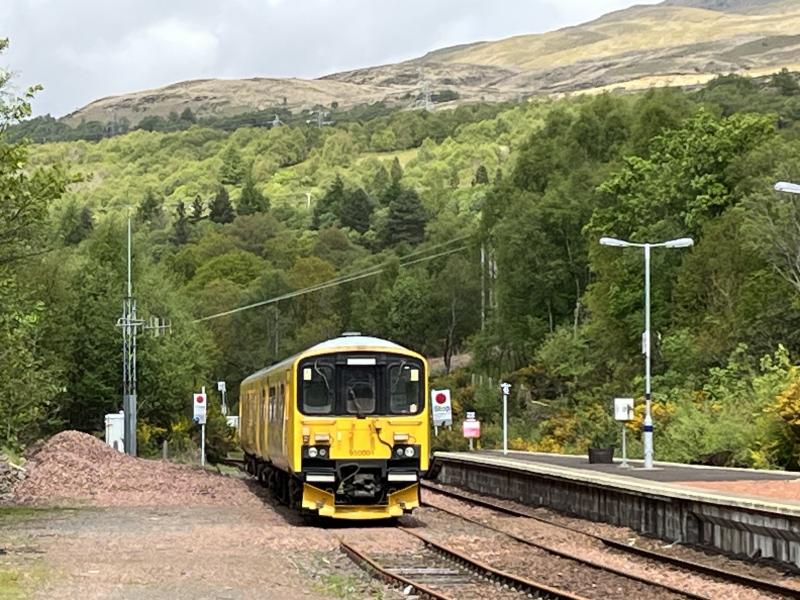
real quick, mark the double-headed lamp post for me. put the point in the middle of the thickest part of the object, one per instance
(648, 417)
(785, 186)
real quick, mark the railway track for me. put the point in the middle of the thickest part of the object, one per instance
(437, 571)
(772, 587)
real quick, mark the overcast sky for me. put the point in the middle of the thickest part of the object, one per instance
(82, 50)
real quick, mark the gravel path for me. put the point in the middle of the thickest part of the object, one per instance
(183, 553)
(153, 530)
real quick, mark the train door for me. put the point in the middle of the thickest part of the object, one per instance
(274, 430)
(262, 422)
(283, 420)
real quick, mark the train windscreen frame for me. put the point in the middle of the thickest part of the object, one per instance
(360, 385)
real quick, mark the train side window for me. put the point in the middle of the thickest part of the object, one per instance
(318, 382)
(273, 409)
(404, 389)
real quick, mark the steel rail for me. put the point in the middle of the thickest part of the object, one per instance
(521, 583)
(727, 576)
(566, 555)
(370, 565)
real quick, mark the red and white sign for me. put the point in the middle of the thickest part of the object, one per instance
(472, 429)
(441, 408)
(200, 402)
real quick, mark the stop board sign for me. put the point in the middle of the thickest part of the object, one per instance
(441, 408)
(200, 403)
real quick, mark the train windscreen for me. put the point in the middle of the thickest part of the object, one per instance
(375, 385)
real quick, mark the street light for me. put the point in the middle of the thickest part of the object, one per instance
(648, 417)
(785, 186)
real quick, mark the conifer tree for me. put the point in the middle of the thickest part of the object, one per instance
(481, 176)
(149, 210)
(252, 200)
(329, 206)
(197, 210)
(355, 210)
(220, 208)
(233, 169)
(180, 234)
(406, 220)
(396, 171)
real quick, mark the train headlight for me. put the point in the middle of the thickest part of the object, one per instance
(399, 451)
(409, 452)
(323, 452)
(312, 452)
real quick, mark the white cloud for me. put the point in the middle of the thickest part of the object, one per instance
(86, 49)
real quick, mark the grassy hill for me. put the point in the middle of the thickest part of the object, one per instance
(679, 42)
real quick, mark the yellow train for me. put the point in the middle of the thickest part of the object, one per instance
(341, 429)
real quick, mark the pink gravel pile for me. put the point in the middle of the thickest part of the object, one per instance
(76, 468)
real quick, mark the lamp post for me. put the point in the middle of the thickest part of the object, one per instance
(648, 416)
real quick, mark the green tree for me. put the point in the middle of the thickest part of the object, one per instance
(396, 171)
(786, 83)
(150, 209)
(29, 378)
(76, 224)
(406, 220)
(220, 209)
(355, 210)
(251, 200)
(188, 116)
(481, 176)
(233, 169)
(180, 228)
(197, 210)
(328, 208)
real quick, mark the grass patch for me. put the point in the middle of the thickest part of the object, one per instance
(21, 514)
(346, 586)
(334, 575)
(19, 582)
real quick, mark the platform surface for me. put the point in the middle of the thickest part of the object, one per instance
(772, 491)
(664, 472)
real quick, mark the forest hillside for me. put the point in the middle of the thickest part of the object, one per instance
(672, 43)
(471, 231)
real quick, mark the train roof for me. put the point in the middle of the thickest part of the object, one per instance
(352, 341)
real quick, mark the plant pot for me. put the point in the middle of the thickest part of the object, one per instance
(601, 455)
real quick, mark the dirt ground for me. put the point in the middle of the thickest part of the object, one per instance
(88, 522)
(176, 552)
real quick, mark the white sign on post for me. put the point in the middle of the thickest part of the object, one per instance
(623, 409)
(506, 389)
(441, 408)
(200, 403)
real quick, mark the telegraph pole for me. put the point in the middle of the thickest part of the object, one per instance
(130, 324)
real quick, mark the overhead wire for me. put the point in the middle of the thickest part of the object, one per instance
(346, 278)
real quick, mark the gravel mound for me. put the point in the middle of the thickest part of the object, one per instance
(77, 468)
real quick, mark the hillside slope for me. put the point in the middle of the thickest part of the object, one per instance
(678, 42)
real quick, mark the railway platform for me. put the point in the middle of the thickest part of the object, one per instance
(741, 512)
